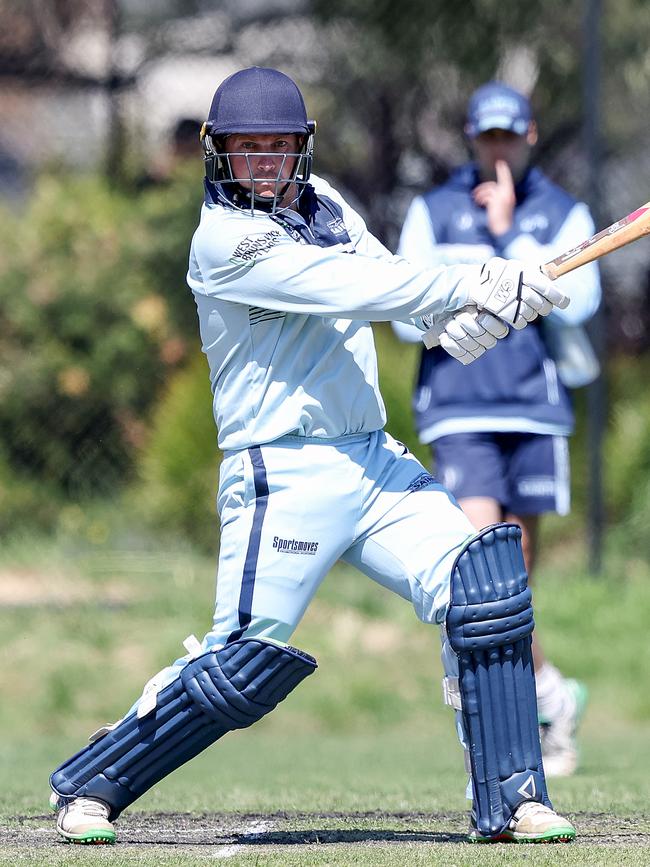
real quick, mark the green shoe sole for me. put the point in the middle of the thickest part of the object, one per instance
(559, 835)
(91, 838)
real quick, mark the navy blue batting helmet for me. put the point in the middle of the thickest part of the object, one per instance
(261, 101)
(257, 100)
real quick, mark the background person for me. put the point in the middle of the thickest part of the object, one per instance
(498, 427)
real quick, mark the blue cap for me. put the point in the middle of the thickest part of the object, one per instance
(257, 100)
(497, 106)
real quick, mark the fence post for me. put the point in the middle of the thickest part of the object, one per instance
(115, 143)
(596, 392)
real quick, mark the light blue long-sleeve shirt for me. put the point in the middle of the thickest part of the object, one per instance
(284, 309)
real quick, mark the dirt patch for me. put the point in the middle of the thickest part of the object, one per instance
(179, 830)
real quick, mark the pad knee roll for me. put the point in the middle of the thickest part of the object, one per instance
(215, 693)
(489, 627)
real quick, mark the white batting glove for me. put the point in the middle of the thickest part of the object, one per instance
(466, 334)
(515, 292)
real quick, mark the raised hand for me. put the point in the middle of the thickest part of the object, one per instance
(498, 198)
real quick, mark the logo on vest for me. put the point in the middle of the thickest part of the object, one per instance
(534, 222)
(464, 222)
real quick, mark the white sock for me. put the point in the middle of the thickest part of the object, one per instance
(550, 691)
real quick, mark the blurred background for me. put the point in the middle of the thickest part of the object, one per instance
(108, 457)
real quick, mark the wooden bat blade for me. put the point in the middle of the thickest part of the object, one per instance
(620, 233)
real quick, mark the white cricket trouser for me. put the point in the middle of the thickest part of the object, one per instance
(291, 508)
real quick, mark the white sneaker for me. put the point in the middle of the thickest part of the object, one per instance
(558, 734)
(532, 823)
(84, 820)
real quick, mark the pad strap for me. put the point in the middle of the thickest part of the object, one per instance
(489, 626)
(215, 693)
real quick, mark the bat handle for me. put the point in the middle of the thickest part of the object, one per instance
(551, 270)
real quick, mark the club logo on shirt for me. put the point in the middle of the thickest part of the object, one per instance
(252, 246)
(421, 481)
(337, 226)
(294, 546)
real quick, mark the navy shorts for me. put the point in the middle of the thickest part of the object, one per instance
(527, 473)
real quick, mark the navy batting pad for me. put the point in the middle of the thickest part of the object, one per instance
(489, 624)
(215, 693)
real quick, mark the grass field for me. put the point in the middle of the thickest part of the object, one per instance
(359, 766)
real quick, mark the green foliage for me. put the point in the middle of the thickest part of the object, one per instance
(628, 445)
(25, 502)
(178, 466)
(425, 31)
(94, 314)
(628, 455)
(625, 468)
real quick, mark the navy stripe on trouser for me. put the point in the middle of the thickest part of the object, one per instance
(252, 554)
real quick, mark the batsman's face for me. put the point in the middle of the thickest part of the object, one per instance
(501, 144)
(262, 160)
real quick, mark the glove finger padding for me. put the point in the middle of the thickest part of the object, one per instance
(527, 312)
(493, 325)
(473, 323)
(486, 339)
(466, 329)
(537, 280)
(458, 351)
(467, 334)
(540, 304)
(515, 293)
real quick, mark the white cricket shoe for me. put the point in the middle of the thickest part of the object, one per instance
(532, 822)
(84, 820)
(558, 734)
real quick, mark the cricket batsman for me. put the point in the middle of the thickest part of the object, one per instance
(286, 280)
